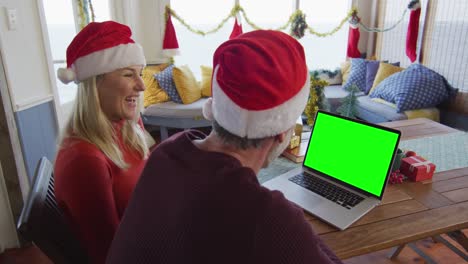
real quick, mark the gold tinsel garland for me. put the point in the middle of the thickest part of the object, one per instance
(313, 102)
(297, 16)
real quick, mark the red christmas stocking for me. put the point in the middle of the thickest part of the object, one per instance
(353, 40)
(236, 30)
(412, 34)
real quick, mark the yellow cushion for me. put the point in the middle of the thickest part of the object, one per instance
(206, 72)
(430, 113)
(153, 93)
(382, 101)
(383, 72)
(345, 68)
(186, 84)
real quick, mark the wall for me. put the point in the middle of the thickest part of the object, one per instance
(8, 239)
(26, 93)
(24, 56)
(145, 18)
(366, 11)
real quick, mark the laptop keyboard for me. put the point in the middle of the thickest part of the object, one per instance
(327, 190)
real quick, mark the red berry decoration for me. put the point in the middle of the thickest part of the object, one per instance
(396, 177)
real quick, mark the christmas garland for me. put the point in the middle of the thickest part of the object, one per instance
(316, 99)
(86, 15)
(296, 20)
(329, 73)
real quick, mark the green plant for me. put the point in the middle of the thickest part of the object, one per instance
(349, 104)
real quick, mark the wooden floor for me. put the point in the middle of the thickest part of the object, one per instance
(437, 251)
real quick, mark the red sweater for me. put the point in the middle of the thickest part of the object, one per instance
(93, 192)
(194, 206)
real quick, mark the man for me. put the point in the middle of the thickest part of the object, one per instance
(198, 199)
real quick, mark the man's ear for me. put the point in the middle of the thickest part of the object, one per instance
(281, 137)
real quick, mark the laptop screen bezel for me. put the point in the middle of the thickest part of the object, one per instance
(328, 177)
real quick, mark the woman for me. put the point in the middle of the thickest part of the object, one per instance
(105, 146)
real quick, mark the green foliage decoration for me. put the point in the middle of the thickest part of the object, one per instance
(349, 104)
(298, 25)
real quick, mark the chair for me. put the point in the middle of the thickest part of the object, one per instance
(42, 222)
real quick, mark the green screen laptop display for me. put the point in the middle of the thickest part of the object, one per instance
(355, 153)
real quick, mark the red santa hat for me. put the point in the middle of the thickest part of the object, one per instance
(100, 47)
(170, 43)
(260, 84)
(237, 28)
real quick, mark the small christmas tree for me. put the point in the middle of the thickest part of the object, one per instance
(349, 104)
(316, 100)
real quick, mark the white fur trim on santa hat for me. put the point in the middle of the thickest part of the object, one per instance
(208, 109)
(170, 52)
(256, 124)
(108, 60)
(414, 5)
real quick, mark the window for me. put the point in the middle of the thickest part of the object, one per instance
(62, 29)
(197, 50)
(445, 41)
(393, 42)
(325, 52)
(273, 17)
(323, 16)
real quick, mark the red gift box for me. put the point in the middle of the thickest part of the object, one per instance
(417, 168)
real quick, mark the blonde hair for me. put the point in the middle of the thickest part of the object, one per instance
(88, 122)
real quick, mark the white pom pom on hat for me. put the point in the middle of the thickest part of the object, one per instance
(66, 75)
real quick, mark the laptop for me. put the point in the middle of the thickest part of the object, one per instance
(345, 169)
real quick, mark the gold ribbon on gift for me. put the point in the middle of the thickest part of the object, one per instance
(419, 162)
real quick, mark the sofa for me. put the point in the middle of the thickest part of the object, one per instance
(173, 98)
(367, 109)
(389, 92)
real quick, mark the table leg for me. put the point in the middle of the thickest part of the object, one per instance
(396, 251)
(163, 132)
(422, 254)
(452, 247)
(460, 237)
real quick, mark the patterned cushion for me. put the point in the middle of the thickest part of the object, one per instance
(372, 68)
(384, 71)
(414, 88)
(186, 84)
(167, 84)
(153, 93)
(206, 72)
(357, 75)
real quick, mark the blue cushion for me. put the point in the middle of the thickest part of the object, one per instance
(357, 74)
(414, 88)
(166, 82)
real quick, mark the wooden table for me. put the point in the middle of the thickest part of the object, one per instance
(410, 211)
